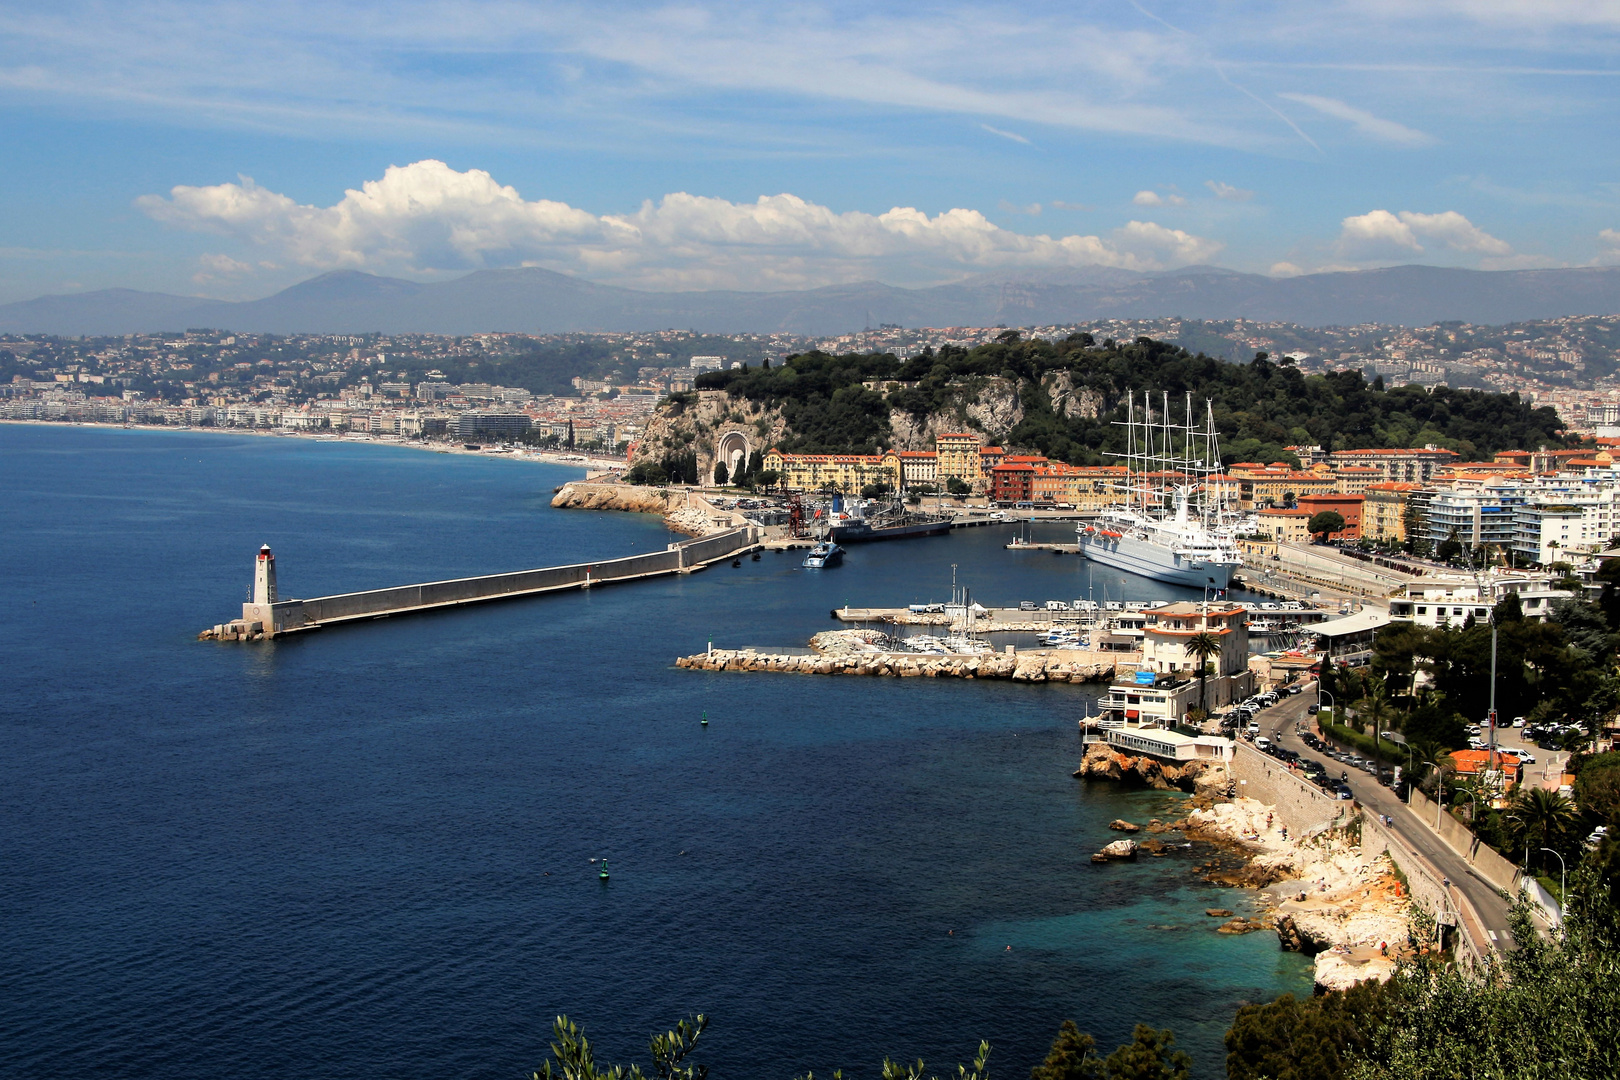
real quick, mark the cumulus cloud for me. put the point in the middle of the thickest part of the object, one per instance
(1227, 192)
(1364, 122)
(1285, 269)
(1380, 234)
(1153, 198)
(427, 217)
(1610, 237)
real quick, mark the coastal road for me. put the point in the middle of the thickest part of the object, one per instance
(1278, 722)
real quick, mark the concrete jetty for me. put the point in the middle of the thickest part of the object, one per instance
(1047, 665)
(268, 616)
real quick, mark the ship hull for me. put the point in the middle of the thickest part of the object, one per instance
(860, 534)
(1153, 561)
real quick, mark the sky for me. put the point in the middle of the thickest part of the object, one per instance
(234, 149)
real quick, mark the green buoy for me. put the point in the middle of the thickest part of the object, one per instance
(603, 874)
(705, 720)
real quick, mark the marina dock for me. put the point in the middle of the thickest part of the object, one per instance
(267, 616)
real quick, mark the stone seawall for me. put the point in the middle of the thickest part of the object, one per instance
(1303, 806)
(1029, 667)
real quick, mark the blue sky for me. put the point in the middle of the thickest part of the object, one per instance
(233, 149)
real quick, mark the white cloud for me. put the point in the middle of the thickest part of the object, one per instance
(1033, 209)
(1380, 234)
(1228, 192)
(1377, 234)
(1153, 198)
(1364, 122)
(1285, 269)
(1455, 232)
(1611, 237)
(1014, 136)
(427, 217)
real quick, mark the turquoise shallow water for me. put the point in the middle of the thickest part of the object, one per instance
(367, 851)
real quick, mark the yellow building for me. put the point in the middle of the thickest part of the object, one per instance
(1285, 526)
(959, 457)
(1355, 479)
(847, 473)
(1274, 485)
(1383, 515)
(1083, 487)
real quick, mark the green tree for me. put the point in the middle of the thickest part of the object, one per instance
(1072, 1057)
(1310, 1039)
(1202, 646)
(1540, 818)
(1325, 522)
(1548, 1009)
(957, 486)
(721, 475)
(1148, 1057)
(573, 1059)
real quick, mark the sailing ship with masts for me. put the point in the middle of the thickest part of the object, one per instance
(1175, 520)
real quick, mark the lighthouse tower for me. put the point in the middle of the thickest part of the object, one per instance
(264, 577)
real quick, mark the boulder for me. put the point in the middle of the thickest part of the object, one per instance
(1119, 849)
(1121, 825)
(1218, 912)
(1239, 925)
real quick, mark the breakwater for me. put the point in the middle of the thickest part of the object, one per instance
(267, 617)
(1032, 667)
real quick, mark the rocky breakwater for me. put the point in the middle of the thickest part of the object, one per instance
(1103, 762)
(1320, 896)
(867, 652)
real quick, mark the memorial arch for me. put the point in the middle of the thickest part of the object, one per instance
(732, 451)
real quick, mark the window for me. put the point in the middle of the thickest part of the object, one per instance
(1423, 611)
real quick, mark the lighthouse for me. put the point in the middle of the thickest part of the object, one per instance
(264, 577)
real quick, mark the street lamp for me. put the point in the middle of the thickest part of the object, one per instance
(1320, 694)
(1439, 791)
(1561, 904)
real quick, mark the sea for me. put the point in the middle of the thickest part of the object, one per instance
(375, 850)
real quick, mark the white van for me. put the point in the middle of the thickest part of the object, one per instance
(1262, 743)
(1056, 605)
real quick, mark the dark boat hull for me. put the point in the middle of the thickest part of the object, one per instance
(863, 533)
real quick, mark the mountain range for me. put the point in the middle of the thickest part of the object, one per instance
(542, 301)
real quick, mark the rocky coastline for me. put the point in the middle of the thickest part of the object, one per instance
(1103, 762)
(1317, 892)
(683, 511)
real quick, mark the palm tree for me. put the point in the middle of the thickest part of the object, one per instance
(1202, 645)
(1540, 818)
(1374, 708)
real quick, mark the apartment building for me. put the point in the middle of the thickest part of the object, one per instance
(846, 473)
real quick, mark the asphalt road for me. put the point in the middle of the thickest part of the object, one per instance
(1277, 723)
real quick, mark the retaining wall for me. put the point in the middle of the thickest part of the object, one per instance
(1303, 806)
(291, 615)
(1485, 860)
(1448, 905)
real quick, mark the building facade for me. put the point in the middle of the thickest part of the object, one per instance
(844, 473)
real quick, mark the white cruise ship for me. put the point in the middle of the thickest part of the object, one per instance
(1172, 522)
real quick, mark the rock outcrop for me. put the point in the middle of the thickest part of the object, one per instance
(629, 497)
(1119, 849)
(1121, 825)
(1103, 762)
(1350, 914)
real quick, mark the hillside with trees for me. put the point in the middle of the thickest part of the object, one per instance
(1063, 399)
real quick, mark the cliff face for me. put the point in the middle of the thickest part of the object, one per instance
(1103, 762)
(715, 424)
(704, 424)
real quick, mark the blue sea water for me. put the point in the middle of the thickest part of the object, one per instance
(366, 852)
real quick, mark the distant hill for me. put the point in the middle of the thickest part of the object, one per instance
(540, 301)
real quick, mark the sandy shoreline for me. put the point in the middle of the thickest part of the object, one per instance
(545, 457)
